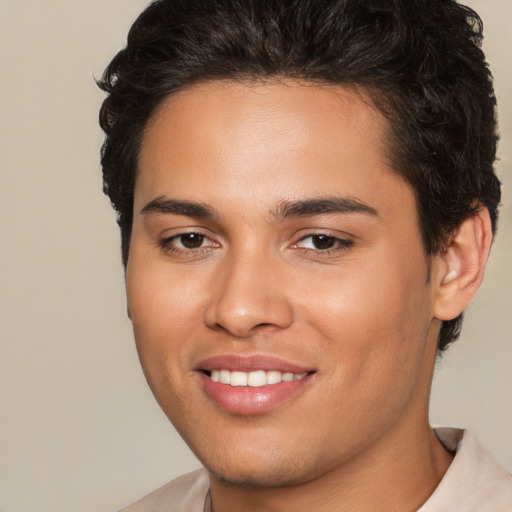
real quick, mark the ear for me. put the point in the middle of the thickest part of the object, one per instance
(461, 265)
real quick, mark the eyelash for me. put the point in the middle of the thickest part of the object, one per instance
(167, 245)
(339, 245)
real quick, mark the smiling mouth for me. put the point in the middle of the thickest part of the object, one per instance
(253, 379)
(252, 385)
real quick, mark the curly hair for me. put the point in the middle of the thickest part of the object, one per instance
(420, 61)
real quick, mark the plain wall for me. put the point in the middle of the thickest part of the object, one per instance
(80, 430)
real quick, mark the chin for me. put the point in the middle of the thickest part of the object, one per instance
(267, 480)
(273, 471)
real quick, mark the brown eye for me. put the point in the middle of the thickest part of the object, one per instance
(188, 245)
(191, 240)
(323, 242)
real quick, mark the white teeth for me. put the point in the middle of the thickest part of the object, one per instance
(287, 377)
(225, 376)
(257, 379)
(274, 377)
(254, 379)
(238, 379)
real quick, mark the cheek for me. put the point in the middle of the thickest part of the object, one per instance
(360, 301)
(160, 298)
(374, 319)
(163, 312)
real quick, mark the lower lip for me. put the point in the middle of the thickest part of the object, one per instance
(246, 400)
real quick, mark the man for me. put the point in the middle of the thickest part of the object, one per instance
(306, 198)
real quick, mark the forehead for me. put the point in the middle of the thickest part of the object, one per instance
(293, 111)
(278, 139)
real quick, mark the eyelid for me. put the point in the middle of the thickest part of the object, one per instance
(342, 242)
(166, 242)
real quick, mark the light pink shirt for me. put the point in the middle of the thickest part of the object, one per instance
(473, 483)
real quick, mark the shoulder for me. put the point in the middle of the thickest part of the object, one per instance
(184, 494)
(473, 482)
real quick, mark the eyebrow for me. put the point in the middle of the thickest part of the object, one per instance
(284, 210)
(322, 206)
(178, 207)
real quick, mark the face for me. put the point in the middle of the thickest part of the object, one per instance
(277, 281)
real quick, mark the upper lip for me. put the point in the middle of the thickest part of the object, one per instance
(248, 363)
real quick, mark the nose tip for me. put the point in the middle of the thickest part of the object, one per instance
(248, 302)
(241, 322)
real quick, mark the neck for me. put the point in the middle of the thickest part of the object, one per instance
(398, 472)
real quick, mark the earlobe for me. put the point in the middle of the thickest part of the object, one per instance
(461, 265)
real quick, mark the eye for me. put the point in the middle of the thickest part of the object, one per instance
(187, 244)
(189, 240)
(320, 242)
(323, 243)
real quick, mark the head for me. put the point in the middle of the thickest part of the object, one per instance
(293, 180)
(419, 62)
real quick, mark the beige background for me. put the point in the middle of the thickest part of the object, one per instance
(80, 431)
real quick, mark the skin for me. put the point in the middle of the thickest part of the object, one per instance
(363, 315)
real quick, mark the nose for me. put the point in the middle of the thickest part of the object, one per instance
(249, 296)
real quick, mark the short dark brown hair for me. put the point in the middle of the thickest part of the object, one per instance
(420, 61)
